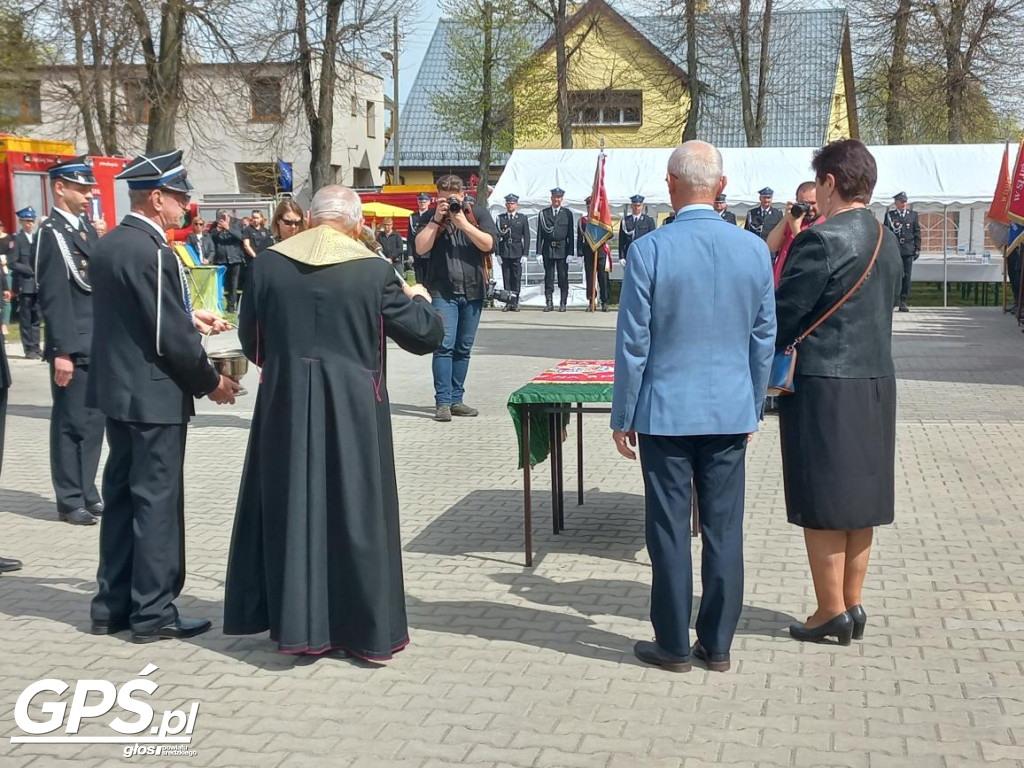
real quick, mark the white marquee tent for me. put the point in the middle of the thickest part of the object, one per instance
(937, 178)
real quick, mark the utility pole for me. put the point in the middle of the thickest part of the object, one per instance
(396, 179)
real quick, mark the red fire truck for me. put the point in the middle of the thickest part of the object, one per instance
(23, 181)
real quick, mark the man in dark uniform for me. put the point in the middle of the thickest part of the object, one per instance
(905, 225)
(417, 221)
(554, 244)
(390, 242)
(148, 364)
(722, 210)
(763, 219)
(6, 563)
(227, 251)
(23, 264)
(634, 225)
(584, 251)
(64, 246)
(513, 246)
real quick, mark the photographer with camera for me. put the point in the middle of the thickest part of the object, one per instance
(798, 217)
(455, 242)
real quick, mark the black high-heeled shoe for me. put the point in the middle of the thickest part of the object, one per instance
(840, 626)
(860, 619)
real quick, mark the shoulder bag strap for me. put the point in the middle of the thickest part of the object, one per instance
(849, 293)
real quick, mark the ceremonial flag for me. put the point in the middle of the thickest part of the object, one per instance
(1015, 204)
(1001, 197)
(599, 216)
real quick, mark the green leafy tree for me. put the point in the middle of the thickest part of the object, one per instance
(18, 53)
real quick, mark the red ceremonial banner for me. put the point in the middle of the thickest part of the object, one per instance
(1001, 196)
(579, 372)
(1015, 207)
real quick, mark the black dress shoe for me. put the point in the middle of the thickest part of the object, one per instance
(561, 307)
(95, 509)
(549, 308)
(80, 516)
(108, 627)
(904, 307)
(840, 627)
(652, 653)
(604, 308)
(860, 619)
(716, 662)
(179, 630)
(9, 564)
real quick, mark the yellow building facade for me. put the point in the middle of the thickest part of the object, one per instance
(621, 89)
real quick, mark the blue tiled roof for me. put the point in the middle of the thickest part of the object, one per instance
(804, 52)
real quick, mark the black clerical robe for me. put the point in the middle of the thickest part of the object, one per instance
(316, 552)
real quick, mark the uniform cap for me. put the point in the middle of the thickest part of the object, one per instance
(636, 199)
(768, 191)
(720, 198)
(587, 201)
(423, 197)
(900, 197)
(26, 214)
(163, 171)
(76, 170)
(558, 192)
(511, 198)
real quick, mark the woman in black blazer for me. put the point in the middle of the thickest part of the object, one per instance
(838, 427)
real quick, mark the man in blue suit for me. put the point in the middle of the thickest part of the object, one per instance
(693, 350)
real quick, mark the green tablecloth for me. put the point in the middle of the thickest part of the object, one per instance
(550, 394)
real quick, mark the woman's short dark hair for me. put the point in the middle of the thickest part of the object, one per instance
(851, 165)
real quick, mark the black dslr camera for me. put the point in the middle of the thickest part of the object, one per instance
(800, 209)
(455, 205)
(499, 294)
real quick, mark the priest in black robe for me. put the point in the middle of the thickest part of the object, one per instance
(316, 551)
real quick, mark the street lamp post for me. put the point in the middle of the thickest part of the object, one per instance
(392, 56)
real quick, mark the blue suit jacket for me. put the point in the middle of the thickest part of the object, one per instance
(696, 330)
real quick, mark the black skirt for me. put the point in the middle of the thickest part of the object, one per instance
(838, 441)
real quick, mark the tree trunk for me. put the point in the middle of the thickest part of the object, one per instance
(84, 89)
(896, 80)
(743, 46)
(693, 113)
(562, 76)
(165, 86)
(956, 74)
(761, 116)
(487, 116)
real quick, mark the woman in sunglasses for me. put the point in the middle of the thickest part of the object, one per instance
(288, 220)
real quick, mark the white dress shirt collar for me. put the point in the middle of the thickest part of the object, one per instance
(695, 207)
(74, 221)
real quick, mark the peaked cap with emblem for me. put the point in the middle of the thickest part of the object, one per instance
(766, 191)
(636, 199)
(511, 198)
(157, 171)
(720, 198)
(26, 214)
(423, 197)
(900, 197)
(558, 192)
(76, 170)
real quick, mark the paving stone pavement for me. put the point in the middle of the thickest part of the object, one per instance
(533, 667)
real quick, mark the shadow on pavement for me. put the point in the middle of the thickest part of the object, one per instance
(630, 599)
(608, 525)
(201, 420)
(28, 504)
(418, 411)
(29, 411)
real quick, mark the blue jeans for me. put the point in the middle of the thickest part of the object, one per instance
(451, 362)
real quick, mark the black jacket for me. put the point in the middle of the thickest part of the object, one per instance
(5, 370)
(22, 262)
(761, 223)
(455, 266)
(391, 246)
(259, 238)
(907, 229)
(65, 295)
(824, 262)
(631, 228)
(555, 233)
(513, 236)
(147, 357)
(227, 245)
(728, 216)
(205, 250)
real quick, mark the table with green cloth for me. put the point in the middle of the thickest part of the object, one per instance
(541, 411)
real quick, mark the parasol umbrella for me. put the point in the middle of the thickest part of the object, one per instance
(380, 210)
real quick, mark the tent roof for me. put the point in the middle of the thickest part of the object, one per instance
(930, 174)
